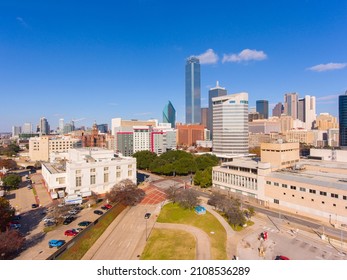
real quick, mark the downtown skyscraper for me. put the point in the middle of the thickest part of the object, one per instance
(212, 93)
(169, 114)
(193, 94)
(343, 120)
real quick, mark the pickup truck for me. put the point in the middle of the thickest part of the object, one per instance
(56, 243)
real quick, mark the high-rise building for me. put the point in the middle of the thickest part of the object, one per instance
(291, 105)
(262, 107)
(61, 126)
(44, 128)
(307, 110)
(27, 128)
(213, 92)
(103, 128)
(193, 100)
(343, 120)
(277, 111)
(325, 121)
(16, 130)
(189, 134)
(169, 114)
(204, 116)
(230, 124)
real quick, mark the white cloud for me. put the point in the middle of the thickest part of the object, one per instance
(327, 67)
(208, 57)
(22, 22)
(245, 55)
(328, 97)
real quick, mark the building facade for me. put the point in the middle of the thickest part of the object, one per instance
(88, 170)
(291, 105)
(230, 124)
(307, 110)
(277, 111)
(44, 127)
(343, 120)
(169, 114)
(212, 93)
(193, 95)
(189, 134)
(262, 107)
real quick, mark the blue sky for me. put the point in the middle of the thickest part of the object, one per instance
(96, 60)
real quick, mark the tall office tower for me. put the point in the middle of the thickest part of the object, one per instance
(193, 100)
(343, 120)
(169, 114)
(277, 111)
(61, 126)
(230, 124)
(213, 92)
(307, 110)
(204, 117)
(44, 126)
(16, 130)
(291, 105)
(102, 128)
(262, 107)
(27, 128)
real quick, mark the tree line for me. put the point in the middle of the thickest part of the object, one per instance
(181, 163)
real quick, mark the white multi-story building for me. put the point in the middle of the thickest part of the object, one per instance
(88, 170)
(27, 128)
(40, 148)
(230, 124)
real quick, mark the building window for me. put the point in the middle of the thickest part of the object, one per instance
(118, 174)
(105, 168)
(334, 195)
(302, 189)
(78, 172)
(92, 170)
(60, 180)
(276, 184)
(323, 202)
(78, 181)
(130, 166)
(105, 177)
(268, 182)
(292, 187)
(312, 191)
(92, 179)
(323, 193)
(284, 186)
(293, 195)
(130, 173)
(276, 201)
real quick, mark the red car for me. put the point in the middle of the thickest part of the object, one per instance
(71, 232)
(108, 206)
(283, 258)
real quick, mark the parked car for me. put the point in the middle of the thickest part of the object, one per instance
(51, 220)
(77, 229)
(55, 243)
(34, 205)
(147, 215)
(16, 218)
(73, 212)
(78, 208)
(84, 224)
(283, 258)
(30, 187)
(108, 206)
(71, 232)
(49, 224)
(15, 226)
(98, 212)
(68, 220)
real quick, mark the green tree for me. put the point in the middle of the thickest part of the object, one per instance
(12, 181)
(6, 213)
(205, 161)
(235, 217)
(185, 166)
(203, 178)
(144, 159)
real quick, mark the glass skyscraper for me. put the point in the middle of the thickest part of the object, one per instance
(343, 120)
(193, 100)
(262, 107)
(169, 114)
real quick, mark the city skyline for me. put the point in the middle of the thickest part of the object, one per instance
(85, 62)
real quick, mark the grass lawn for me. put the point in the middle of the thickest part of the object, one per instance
(172, 213)
(165, 244)
(82, 245)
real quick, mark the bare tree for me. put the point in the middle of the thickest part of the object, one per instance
(126, 192)
(11, 241)
(188, 198)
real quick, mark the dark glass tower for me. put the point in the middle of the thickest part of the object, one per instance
(193, 100)
(262, 107)
(169, 114)
(343, 120)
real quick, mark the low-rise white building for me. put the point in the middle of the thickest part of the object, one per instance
(88, 170)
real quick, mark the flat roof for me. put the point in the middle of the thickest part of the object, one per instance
(313, 177)
(54, 168)
(245, 162)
